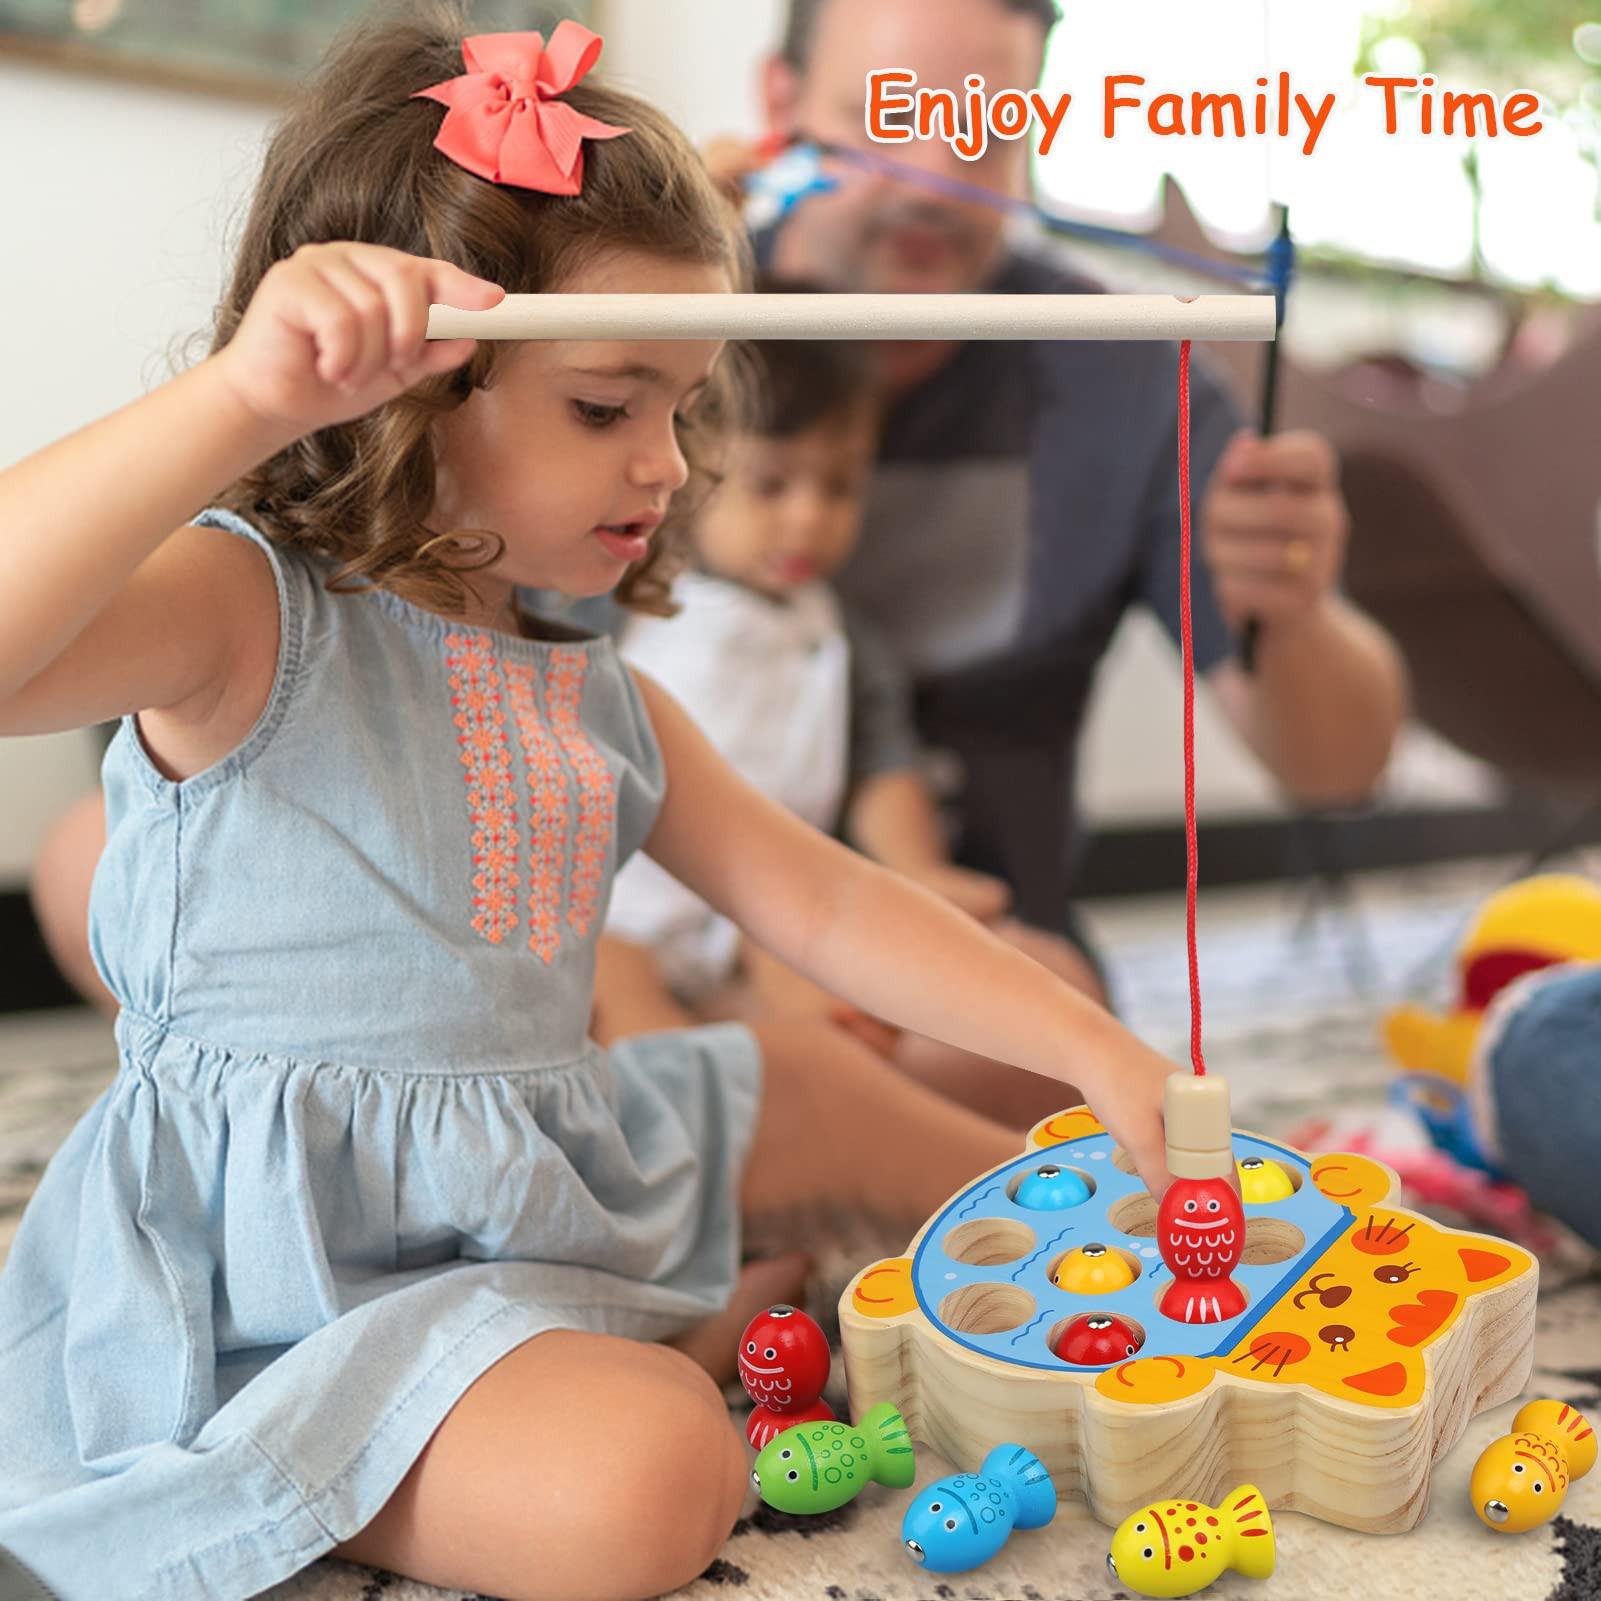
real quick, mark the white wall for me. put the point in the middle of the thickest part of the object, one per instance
(115, 250)
(696, 59)
(116, 240)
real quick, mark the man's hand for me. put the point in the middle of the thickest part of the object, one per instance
(731, 161)
(1274, 526)
(1328, 693)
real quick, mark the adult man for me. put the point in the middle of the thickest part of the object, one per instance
(1026, 495)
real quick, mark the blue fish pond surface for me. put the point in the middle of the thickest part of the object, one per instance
(986, 1223)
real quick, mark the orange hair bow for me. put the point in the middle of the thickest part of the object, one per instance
(504, 121)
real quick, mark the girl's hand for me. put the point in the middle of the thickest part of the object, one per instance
(1127, 1097)
(335, 330)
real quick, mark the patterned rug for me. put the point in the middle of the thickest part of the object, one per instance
(1291, 1009)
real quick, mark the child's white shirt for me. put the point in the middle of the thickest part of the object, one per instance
(769, 684)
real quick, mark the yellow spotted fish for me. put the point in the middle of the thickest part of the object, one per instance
(1173, 1548)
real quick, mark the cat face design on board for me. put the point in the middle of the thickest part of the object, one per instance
(1399, 1282)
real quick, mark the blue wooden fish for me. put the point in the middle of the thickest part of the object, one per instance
(1052, 1188)
(962, 1521)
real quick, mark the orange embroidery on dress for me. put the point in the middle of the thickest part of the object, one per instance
(491, 795)
(547, 812)
(597, 802)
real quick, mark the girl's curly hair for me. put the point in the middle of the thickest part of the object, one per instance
(353, 158)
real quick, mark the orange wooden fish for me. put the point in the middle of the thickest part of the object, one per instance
(1522, 1479)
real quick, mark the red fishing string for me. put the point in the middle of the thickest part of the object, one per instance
(1196, 1057)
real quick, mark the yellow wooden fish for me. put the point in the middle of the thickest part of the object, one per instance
(1093, 1269)
(1522, 1479)
(1174, 1548)
(1262, 1181)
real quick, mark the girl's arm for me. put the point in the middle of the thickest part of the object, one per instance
(330, 333)
(888, 945)
(104, 613)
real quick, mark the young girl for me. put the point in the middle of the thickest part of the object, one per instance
(368, 1249)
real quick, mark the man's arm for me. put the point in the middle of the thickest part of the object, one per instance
(1329, 692)
(1326, 700)
(1322, 709)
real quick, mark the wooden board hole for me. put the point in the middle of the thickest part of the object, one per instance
(989, 1241)
(986, 1309)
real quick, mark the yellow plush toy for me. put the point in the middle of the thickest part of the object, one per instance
(1535, 923)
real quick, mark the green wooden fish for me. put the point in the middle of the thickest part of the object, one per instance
(815, 1467)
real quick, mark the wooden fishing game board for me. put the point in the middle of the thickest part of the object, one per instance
(1370, 1336)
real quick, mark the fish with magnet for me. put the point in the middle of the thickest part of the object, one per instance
(1522, 1479)
(783, 1363)
(1200, 1231)
(1098, 1340)
(1176, 1547)
(816, 1467)
(1093, 1269)
(1262, 1181)
(961, 1521)
(1052, 1188)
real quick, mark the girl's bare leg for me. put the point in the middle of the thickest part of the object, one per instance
(837, 1120)
(1006, 1094)
(581, 1467)
(840, 1123)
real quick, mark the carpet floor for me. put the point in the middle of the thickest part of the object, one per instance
(1293, 988)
